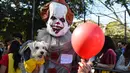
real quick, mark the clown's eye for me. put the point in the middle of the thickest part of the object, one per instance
(53, 18)
(36, 47)
(62, 19)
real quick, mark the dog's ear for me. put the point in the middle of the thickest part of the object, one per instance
(31, 45)
(27, 54)
(25, 50)
(46, 44)
(24, 47)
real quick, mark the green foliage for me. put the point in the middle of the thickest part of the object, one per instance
(16, 16)
(116, 31)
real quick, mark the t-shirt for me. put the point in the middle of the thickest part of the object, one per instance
(118, 53)
(120, 65)
(109, 57)
(4, 61)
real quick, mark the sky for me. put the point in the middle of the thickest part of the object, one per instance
(99, 8)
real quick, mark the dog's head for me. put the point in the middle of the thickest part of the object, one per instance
(38, 49)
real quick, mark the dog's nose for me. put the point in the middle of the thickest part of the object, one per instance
(42, 52)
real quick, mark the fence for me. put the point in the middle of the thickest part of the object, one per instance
(110, 70)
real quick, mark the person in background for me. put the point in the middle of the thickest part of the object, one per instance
(121, 48)
(106, 57)
(1, 49)
(119, 44)
(124, 61)
(10, 62)
(7, 43)
(18, 37)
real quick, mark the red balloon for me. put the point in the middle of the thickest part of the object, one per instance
(87, 40)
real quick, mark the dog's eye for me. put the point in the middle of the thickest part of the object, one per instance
(43, 47)
(36, 47)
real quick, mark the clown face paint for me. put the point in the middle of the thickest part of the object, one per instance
(57, 24)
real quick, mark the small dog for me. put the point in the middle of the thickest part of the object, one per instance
(33, 54)
(38, 49)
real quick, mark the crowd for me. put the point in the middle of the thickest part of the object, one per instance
(10, 57)
(110, 57)
(62, 58)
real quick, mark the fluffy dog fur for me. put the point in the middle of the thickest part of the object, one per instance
(34, 49)
(38, 49)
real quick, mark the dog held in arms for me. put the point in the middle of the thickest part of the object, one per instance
(34, 54)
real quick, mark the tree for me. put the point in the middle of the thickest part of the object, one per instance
(15, 18)
(116, 31)
(16, 15)
(124, 3)
(113, 11)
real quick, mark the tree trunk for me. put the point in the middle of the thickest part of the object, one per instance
(128, 11)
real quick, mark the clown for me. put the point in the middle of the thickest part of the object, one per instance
(58, 18)
(57, 24)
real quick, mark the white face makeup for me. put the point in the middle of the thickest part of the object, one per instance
(57, 24)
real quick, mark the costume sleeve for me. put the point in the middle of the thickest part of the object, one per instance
(120, 64)
(4, 60)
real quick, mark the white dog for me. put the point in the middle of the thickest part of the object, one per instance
(34, 53)
(38, 49)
